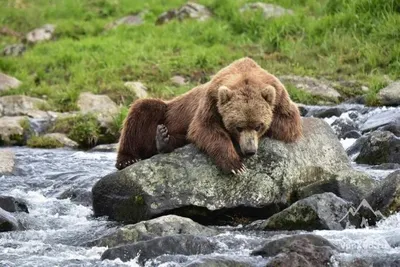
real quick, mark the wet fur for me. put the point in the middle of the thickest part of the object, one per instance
(194, 117)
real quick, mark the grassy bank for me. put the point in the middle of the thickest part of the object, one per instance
(336, 39)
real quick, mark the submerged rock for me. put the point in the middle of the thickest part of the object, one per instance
(174, 244)
(188, 10)
(12, 204)
(379, 147)
(321, 211)
(187, 183)
(8, 222)
(158, 227)
(390, 95)
(304, 250)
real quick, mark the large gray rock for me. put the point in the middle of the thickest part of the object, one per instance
(390, 95)
(189, 10)
(188, 182)
(381, 119)
(146, 230)
(305, 250)
(379, 147)
(312, 86)
(321, 211)
(151, 249)
(11, 131)
(18, 105)
(8, 82)
(269, 10)
(7, 161)
(62, 138)
(8, 222)
(41, 34)
(12, 204)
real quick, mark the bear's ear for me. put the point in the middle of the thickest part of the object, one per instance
(268, 93)
(224, 94)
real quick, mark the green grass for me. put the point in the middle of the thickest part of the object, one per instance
(335, 39)
(43, 142)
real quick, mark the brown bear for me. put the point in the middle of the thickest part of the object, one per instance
(240, 105)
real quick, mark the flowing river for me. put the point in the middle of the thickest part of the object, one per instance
(58, 228)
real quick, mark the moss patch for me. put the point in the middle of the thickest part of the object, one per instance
(43, 142)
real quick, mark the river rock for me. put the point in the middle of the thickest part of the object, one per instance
(43, 33)
(77, 195)
(137, 88)
(337, 110)
(269, 10)
(189, 10)
(105, 148)
(8, 222)
(343, 125)
(304, 250)
(381, 119)
(187, 181)
(321, 211)
(62, 138)
(158, 227)
(151, 249)
(8, 82)
(312, 86)
(217, 261)
(14, 50)
(7, 160)
(390, 95)
(12, 204)
(17, 105)
(379, 147)
(11, 131)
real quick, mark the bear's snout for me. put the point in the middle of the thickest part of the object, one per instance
(248, 143)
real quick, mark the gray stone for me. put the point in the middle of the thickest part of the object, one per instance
(146, 230)
(304, 250)
(188, 10)
(390, 95)
(11, 131)
(7, 159)
(8, 222)
(178, 80)
(342, 126)
(63, 139)
(8, 82)
(12, 204)
(381, 119)
(218, 261)
(318, 212)
(187, 180)
(137, 88)
(14, 50)
(43, 33)
(269, 10)
(105, 148)
(151, 249)
(17, 105)
(313, 86)
(128, 20)
(379, 147)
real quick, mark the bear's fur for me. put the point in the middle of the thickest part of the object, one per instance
(240, 105)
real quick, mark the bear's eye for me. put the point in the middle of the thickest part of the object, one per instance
(239, 129)
(258, 127)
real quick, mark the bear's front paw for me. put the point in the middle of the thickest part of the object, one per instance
(162, 139)
(234, 166)
(125, 163)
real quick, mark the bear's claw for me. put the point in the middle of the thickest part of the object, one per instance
(162, 138)
(240, 171)
(123, 164)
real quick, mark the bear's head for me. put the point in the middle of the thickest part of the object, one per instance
(247, 114)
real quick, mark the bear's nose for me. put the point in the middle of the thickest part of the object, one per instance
(250, 153)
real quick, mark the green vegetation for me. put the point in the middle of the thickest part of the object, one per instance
(43, 142)
(336, 39)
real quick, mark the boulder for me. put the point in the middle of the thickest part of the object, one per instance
(390, 95)
(18, 105)
(304, 250)
(8, 222)
(269, 10)
(189, 10)
(178, 80)
(43, 33)
(14, 50)
(137, 88)
(379, 147)
(7, 160)
(12, 204)
(158, 227)
(318, 212)
(343, 126)
(62, 138)
(105, 148)
(312, 86)
(381, 119)
(186, 182)
(77, 195)
(11, 131)
(151, 249)
(8, 82)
